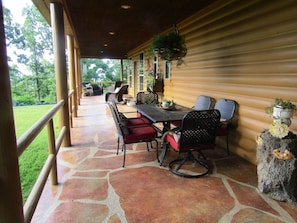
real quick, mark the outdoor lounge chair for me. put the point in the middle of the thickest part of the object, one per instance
(117, 95)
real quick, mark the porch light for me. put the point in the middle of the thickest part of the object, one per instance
(125, 6)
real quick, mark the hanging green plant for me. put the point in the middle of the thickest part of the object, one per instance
(170, 46)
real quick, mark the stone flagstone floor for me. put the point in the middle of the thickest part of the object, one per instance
(93, 187)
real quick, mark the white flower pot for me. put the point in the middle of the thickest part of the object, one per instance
(277, 112)
(282, 115)
(286, 113)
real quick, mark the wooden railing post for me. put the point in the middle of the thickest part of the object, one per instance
(52, 151)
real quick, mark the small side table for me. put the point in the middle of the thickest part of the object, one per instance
(277, 166)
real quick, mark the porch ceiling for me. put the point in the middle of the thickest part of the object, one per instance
(91, 22)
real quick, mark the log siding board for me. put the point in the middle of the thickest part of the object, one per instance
(241, 50)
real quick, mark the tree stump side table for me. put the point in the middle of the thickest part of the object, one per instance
(277, 166)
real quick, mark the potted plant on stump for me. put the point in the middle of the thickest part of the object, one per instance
(282, 111)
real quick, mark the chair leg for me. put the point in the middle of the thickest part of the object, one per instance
(157, 153)
(147, 146)
(201, 154)
(124, 159)
(163, 154)
(182, 161)
(227, 143)
(118, 145)
(187, 157)
(156, 149)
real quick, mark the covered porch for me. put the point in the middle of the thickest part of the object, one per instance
(239, 50)
(93, 186)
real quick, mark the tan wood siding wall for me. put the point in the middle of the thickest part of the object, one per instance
(241, 50)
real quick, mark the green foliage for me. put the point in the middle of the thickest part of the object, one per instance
(12, 30)
(24, 99)
(32, 160)
(169, 46)
(32, 43)
(95, 70)
(279, 102)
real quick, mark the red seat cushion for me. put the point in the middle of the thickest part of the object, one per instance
(147, 121)
(134, 121)
(175, 145)
(140, 133)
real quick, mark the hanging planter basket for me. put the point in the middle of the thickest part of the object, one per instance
(170, 46)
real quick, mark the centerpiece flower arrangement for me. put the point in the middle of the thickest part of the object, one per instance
(168, 104)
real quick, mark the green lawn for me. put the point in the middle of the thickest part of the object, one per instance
(32, 160)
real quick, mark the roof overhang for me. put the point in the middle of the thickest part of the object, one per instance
(111, 28)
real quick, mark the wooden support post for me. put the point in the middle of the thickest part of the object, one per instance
(57, 21)
(11, 204)
(122, 70)
(71, 62)
(77, 78)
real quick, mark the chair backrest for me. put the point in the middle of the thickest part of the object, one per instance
(118, 84)
(147, 98)
(202, 103)
(122, 90)
(120, 115)
(115, 118)
(199, 128)
(226, 107)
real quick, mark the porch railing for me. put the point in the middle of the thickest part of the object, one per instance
(50, 165)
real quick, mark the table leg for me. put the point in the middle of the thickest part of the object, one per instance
(166, 126)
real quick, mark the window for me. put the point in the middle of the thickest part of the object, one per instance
(141, 71)
(155, 67)
(130, 72)
(167, 70)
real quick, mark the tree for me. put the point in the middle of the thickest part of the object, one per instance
(13, 32)
(96, 70)
(38, 45)
(32, 46)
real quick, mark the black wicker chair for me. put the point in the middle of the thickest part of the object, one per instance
(197, 132)
(117, 95)
(147, 98)
(132, 132)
